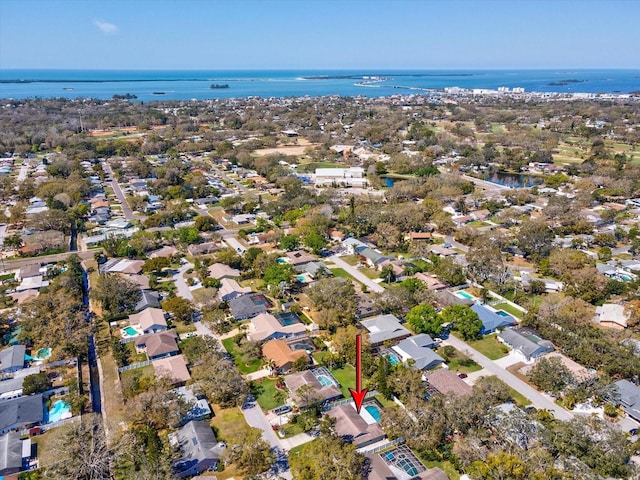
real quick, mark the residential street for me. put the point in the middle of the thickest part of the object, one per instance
(256, 418)
(361, 277)
(181, 284)
(537, 399)
(126, 210)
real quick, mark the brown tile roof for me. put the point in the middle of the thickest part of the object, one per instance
(448, 383)
(174, 368)
(281, 353)
(351, 425)
(159, 343)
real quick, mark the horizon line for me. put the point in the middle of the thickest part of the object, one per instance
(392, 69)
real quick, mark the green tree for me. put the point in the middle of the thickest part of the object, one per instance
(12, 241)
(181, 308)
(290, 242)
(464, 320)
(116, 294)
(278, 272)
(36, 383)
(550, 375)
(315, 242)
(205, 223)
(327, 457)
(535, 238)
(250, 453)
(155, 265)
(424, 319)
(189, 235)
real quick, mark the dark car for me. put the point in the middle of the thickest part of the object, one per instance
(462, 375)
(282, 410)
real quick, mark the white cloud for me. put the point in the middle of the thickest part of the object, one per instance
(106, 27)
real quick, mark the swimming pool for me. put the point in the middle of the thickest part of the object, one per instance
(282, 260)
(130, 331)
(59, 411)
(465, 295)
(43, 353)
(301, 278)
(374, 412)
(393, 359)
(504, 314)
(324, 380)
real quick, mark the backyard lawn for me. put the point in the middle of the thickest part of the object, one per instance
(346, 376)
(510, 309)
(264, 390)
(490, 347)
(244, 367)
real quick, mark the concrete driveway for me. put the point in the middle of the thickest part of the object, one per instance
(537, 399)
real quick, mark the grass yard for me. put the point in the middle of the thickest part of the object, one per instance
(490, 347)
(346, 376)
(510, 309)
(265, 392)
(352, 260)
(342, 273)
(477, 224)
(204, 295)
(520, 399)
(182, 328)
(459, 362)
(228, 424)
(134, 357)
(244, 367)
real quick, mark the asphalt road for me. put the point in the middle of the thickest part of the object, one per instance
(126, 210)
(537, 399)
(361, 277)
(181, 283)
(11, 264)
(450, 240)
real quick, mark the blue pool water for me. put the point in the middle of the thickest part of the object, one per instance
(132, 332)
(504, 314)
(58, 410)
(281, 260)
(301, 278)
(374, 411)
(463, 294)
(393, 359)
(324, 380)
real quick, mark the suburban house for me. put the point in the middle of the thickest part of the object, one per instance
(432, 282)
(21, 412)
(526, 343)
(448, 383)
(123, 266)
(372, 258)
(282, 355)
(419, 350)
(174, 368)
(166, 251)
(230, 289)
(12, 358)
(299, 258)
(353, 245)
(353, 428)
(150, 320)
(401, 464)
(28, 271)
(627, 397)
(10, 453)
(267, 326)
(248, 306)
(491, 320)
(158, 345)
(550, 285)
(612, 315)
(220, 271)
(199, 407)
(11, 387)
(315, 269)
(383, 328)
(321, 392)
(198, 448)
(148, 299)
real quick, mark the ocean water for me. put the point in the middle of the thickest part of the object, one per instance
(195, 84)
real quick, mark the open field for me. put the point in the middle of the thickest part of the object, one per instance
(291, 150)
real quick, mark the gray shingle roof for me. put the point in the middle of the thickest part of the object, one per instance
(419, 349)
(12, 357)
(21, 411)
(10, 451)
(383, 328)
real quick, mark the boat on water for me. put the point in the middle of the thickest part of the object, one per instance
(68, 89)
(219, 85)
(159, 93)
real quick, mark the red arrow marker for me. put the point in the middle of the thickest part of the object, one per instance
(358, 394)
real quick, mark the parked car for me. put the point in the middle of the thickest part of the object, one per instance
(282, 410)
(462, 375)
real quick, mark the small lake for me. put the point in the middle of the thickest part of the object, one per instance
(515, 180)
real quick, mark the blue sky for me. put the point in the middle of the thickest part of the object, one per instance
(299, 34)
